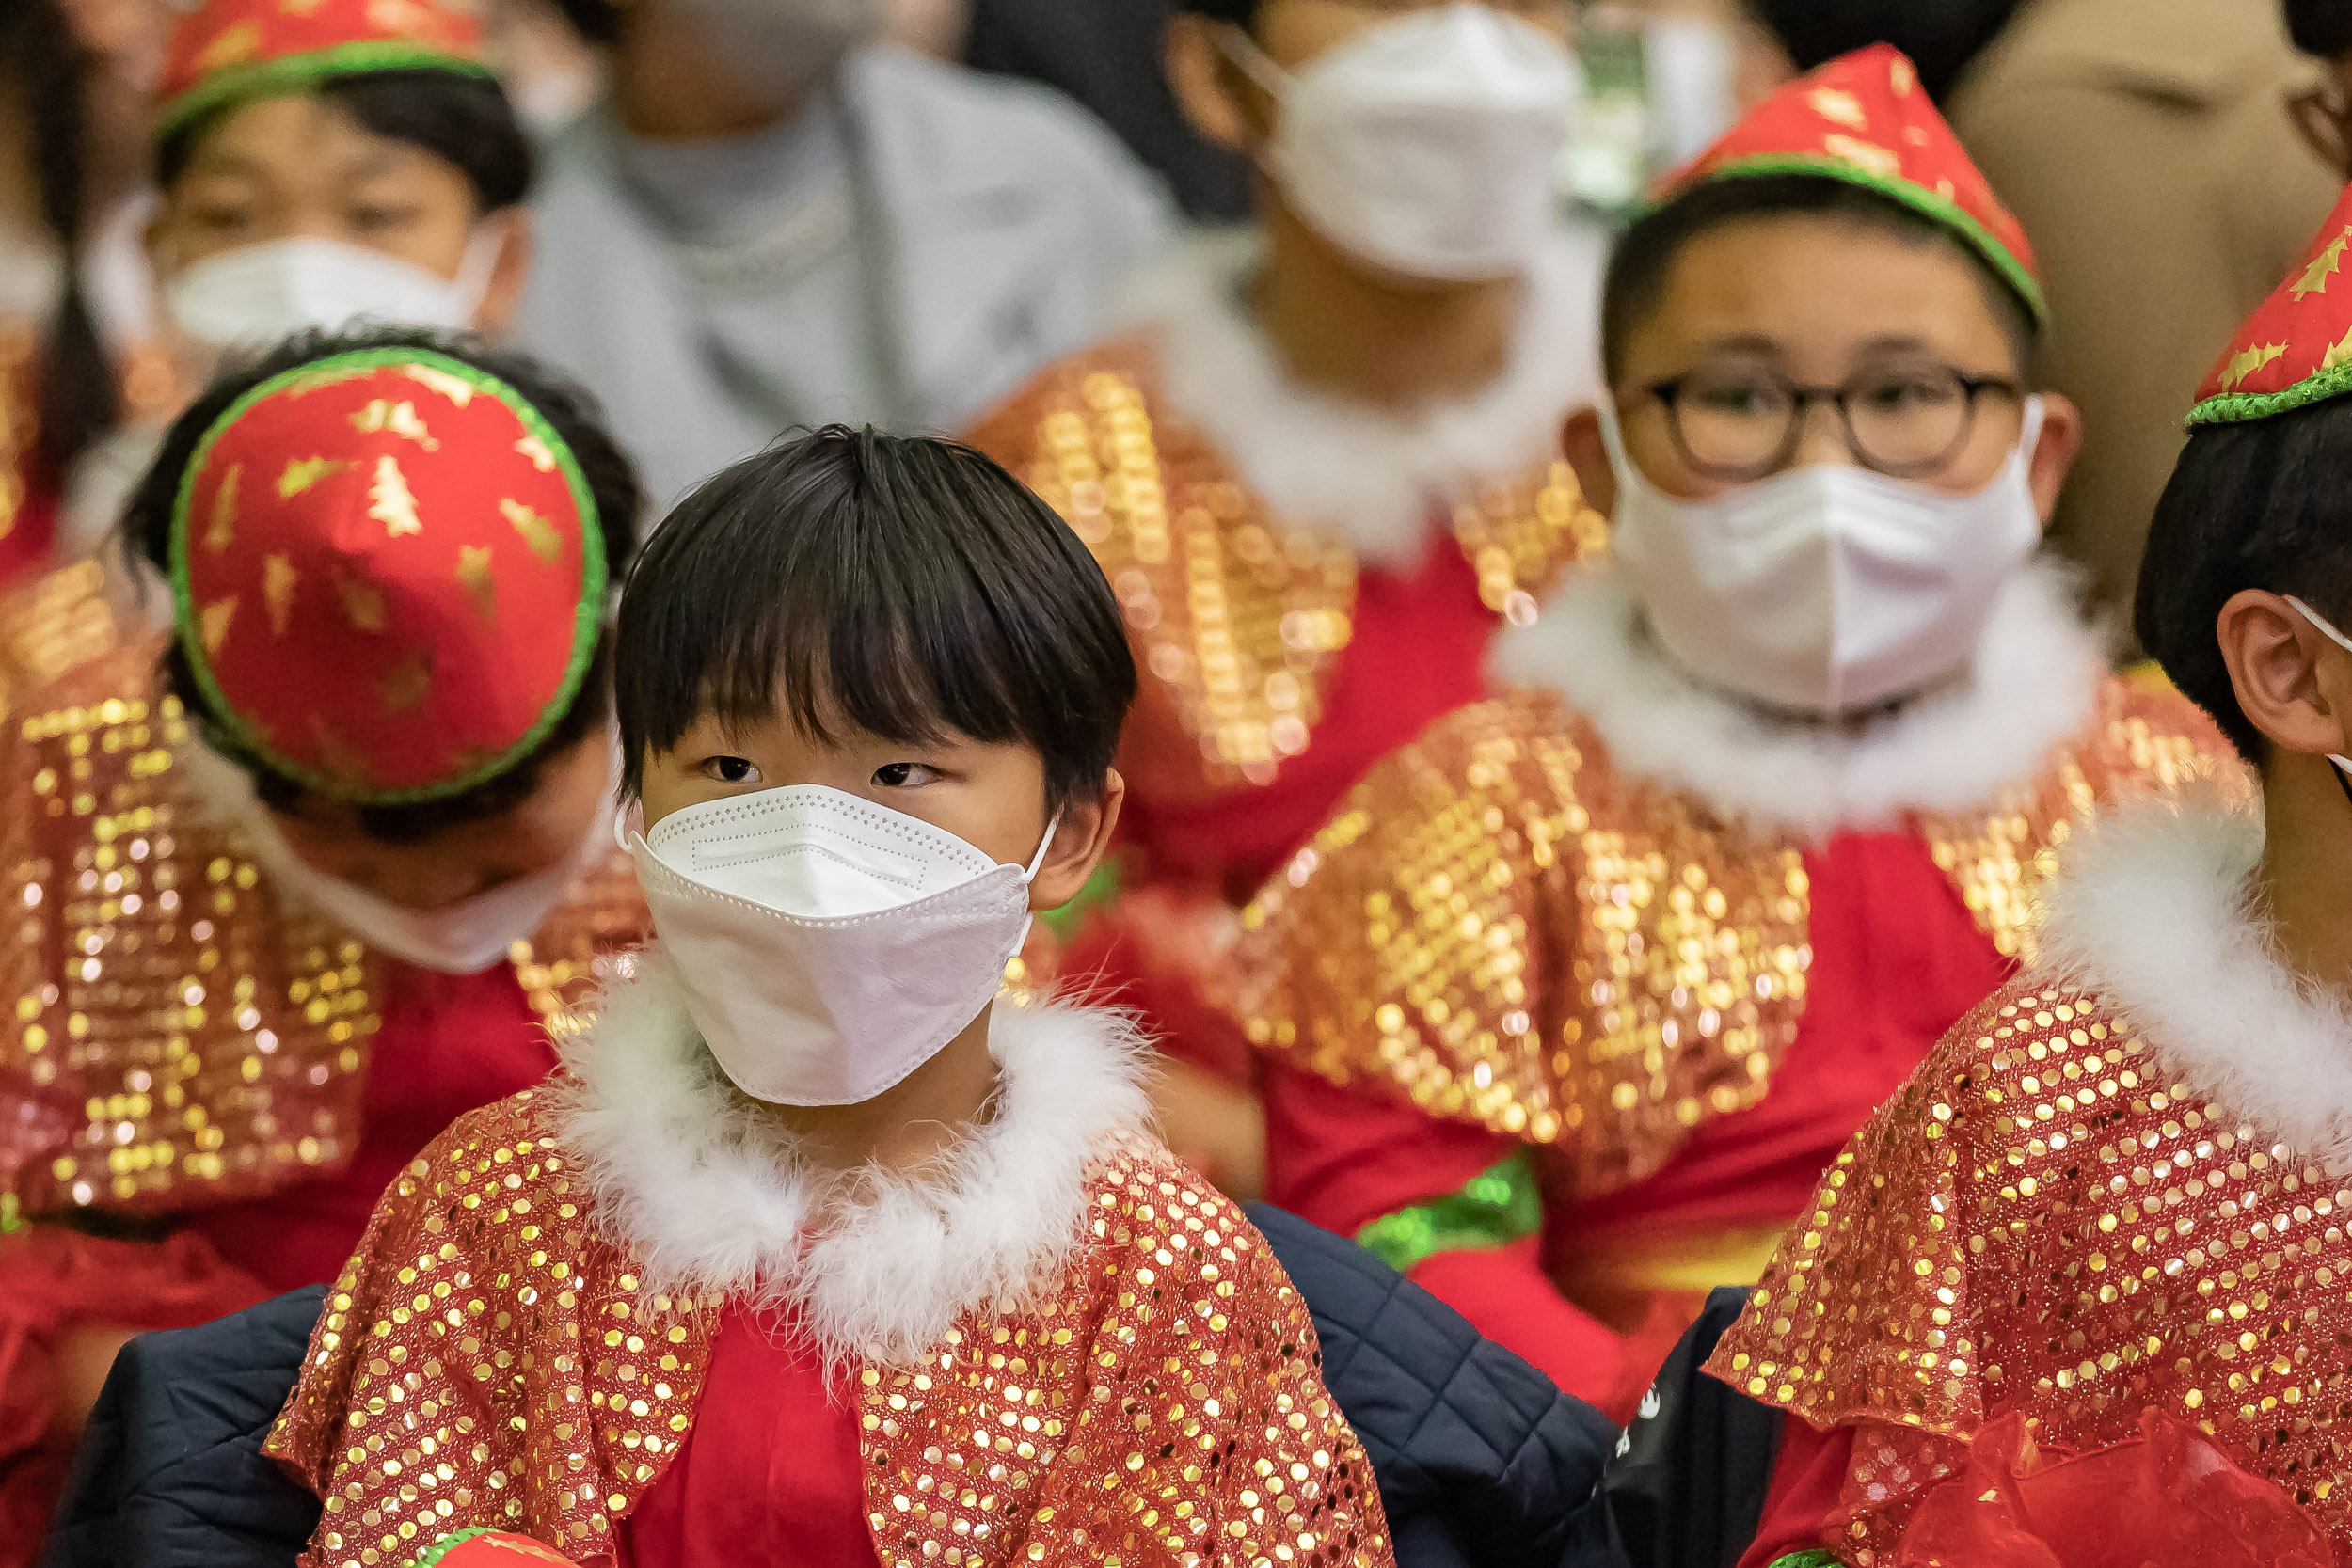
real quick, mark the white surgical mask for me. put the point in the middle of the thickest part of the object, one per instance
(1828, 588)
(32, 276)
(258, 293)
(828, 946)
(1427, 146)
(2327, 629)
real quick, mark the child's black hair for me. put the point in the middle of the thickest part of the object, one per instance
(907, 586)
(1644, 256)
(612, 484)
(1943, 38)
(465, 121)
(2256, 505)
(2321, 27)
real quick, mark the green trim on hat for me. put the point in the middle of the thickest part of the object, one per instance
(1812, 1557)
(587, 621)
(291, 74)
(2243, 407)
(1498, 1206)
(1917, 198)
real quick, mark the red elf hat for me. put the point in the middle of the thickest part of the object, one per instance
(488, 1548)
(233, 51)
(2298, 348)
(1865, 119)
(387, 575)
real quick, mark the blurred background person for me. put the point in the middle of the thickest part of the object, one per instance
(348, 161)
(775, 220)
(2147, 147)
(1319, 462)
(58, 383)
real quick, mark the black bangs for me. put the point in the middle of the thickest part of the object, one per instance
(906, 588)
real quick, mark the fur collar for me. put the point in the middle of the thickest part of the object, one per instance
(2031, 689)
(2153, 910)
(1368, 476)
(708, 1198)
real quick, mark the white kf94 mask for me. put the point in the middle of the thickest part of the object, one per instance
(828, 946)
(1828, 588)
(258, 293)
(1427, 146)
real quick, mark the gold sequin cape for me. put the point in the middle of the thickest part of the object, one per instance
(179, 1034)
(490, 1358)
(1238, 615)
(2050, 1219)
(1504, 925)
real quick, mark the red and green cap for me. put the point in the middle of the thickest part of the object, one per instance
(1865, 119)
(387, 576)
(488, 1548)
(2297, 350)
(230, 52)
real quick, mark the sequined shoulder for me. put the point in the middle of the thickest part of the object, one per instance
(1498, 924)
(1166, 1406)
(2044, 1220)
(1237, 611)
(177, 1036)
(487, 1357)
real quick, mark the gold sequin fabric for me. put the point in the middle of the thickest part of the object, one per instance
(486, 1358)
(1515, 934)
(177, 1034)
(2045, 1220)
(50, 624)
(1237, 613)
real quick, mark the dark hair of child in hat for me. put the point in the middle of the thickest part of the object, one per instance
(904, 585)
(2260, 504)
(612, 484)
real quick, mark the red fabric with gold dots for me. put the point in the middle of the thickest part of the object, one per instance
(382, 577)
(2298, 348)
(1865, 118)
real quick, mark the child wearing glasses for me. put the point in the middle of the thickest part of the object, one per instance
(1573, 1000)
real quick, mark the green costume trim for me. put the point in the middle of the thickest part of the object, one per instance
(1917, 198)
(11, 1214)
(1100, 892)
(1498, 1206)
(587, 618)
(449, 1544)
(291, 75)
(1812, 1557)
(2243, 407)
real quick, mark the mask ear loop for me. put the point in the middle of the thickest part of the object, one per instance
(2321, 623)
(1037, 862)
(1250, 60)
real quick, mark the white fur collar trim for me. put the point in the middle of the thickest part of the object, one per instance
(2032, 686)
(1368, 476)
(708, 1198)
(2153, 909)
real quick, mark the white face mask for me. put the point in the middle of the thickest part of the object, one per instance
(1828, 588)
(1425, 147)
(780, 48)
(258, 293)
(32, 276)
(828, 946)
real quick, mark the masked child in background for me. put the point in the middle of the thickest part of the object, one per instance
(1575, 998)
(1320, 465)
(820, 1251)
(298, 885)
(2077, 1291)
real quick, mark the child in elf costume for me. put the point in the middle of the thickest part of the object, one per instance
(1576, 996)
(296, 886)
(1319, 462)
(2079, 1289)
(819, 1251)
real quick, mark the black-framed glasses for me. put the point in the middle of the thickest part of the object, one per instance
(1738, 425)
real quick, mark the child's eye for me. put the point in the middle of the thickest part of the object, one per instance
(903, 775)
(730, 770)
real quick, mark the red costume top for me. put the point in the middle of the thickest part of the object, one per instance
(1576, 995)
(2106, 1212)
(1061, 1347)
(1306, 583)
